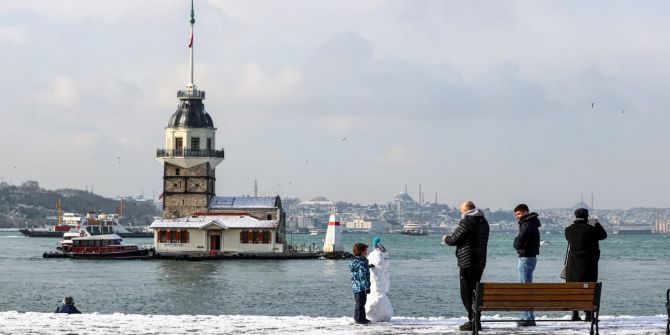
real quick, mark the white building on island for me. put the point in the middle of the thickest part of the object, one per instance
(232, 225)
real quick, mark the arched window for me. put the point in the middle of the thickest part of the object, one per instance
(244, 237)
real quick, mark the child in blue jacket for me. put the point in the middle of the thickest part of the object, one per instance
(360, 281)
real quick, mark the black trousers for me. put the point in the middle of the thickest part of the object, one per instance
(469, 279)
(359, 309)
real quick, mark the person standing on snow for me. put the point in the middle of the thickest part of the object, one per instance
(360, 281)
(584, 237)
(471, 239)
(527, 245)
(378, 307)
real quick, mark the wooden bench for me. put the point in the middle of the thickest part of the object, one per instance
(537, 297)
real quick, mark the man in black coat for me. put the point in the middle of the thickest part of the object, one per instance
(584, 254)
(527, 245)
(471, 238)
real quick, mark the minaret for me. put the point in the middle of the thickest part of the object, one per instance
(189, 157)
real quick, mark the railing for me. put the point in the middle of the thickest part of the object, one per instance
(190, 94)
(169, 153)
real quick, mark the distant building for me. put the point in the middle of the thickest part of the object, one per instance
(369, 225)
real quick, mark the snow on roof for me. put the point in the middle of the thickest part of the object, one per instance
(99, 237)
(243, 202)
(222, 221)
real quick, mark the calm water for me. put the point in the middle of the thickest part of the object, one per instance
(634, 269)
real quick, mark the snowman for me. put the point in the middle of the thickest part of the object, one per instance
(378, 307)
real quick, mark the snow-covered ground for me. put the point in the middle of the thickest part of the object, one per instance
(43, 323)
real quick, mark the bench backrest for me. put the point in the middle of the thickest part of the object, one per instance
(538, 296)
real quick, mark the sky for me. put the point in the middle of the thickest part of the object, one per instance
(499, 102)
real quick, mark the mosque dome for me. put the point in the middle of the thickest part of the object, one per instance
(190, 113)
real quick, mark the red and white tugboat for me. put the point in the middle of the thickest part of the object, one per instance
(104, 247)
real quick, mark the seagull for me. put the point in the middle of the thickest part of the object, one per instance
(622, 111)
(344, 139)
(118, 159)
(593, 104)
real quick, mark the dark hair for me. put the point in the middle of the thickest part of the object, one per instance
(521, 208)
(359, 249)
(68, 300)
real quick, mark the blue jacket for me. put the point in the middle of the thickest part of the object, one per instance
(360, 274)
(69, 309)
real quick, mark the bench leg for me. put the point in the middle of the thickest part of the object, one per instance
(594, 322)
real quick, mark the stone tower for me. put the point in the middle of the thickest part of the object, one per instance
(189, 158)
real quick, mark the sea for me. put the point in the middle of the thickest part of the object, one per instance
(635, 271)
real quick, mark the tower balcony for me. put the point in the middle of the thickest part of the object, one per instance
(189, 153)
(190, 94)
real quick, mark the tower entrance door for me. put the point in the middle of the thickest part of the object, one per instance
(215, 242)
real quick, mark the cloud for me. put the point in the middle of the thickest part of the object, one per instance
(63, 92)
(259, 87)
(13, 35)
(398, 155)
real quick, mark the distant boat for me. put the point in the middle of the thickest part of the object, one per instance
(544, 242)
(412, 228)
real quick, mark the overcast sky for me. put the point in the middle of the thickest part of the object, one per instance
(498, 102)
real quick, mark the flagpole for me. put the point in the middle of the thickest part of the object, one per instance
(191, 46)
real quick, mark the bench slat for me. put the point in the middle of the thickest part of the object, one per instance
(536, 291)
(537, 297)
(537, 305)
(580, 285)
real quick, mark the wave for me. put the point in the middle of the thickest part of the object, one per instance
(94, 323)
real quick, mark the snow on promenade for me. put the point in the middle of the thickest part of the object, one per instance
(45, 323)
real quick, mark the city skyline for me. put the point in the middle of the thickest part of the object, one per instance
(500, 103)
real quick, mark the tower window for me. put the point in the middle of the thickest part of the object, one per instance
(195, 143)
(176, 172)
(209, 143)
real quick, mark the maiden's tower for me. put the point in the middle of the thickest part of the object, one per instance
(189, 157)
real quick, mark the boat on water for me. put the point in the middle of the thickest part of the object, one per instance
(66, 221)
(94, 223)
(100, 224)
(413, 228)
(108, 246)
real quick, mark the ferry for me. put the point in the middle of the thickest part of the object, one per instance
(66, 222)
(107, 246)
(100, 224)
(412, 228)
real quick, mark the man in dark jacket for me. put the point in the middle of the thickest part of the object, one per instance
(67, 306)
(583, 237)
(471, 238)
(527, 245)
